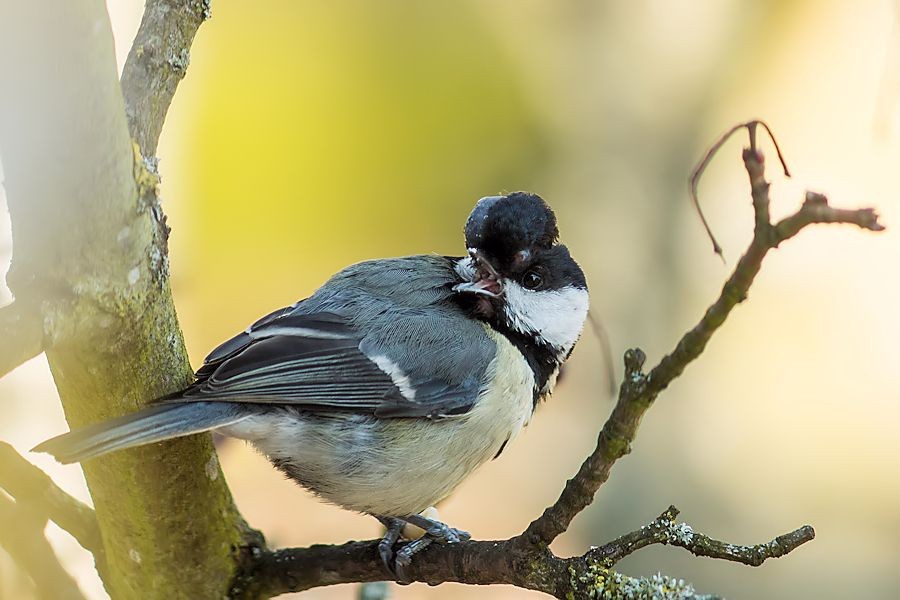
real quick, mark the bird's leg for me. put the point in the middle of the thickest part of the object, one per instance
(386, 546)
(435, 531)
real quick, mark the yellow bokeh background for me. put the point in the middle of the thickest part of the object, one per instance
(310, 135)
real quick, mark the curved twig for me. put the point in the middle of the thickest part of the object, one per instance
(698, 171)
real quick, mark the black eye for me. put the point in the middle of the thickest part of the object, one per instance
(532, 280)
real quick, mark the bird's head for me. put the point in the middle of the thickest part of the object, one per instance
(518, 276)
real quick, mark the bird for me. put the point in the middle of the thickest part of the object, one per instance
(395, 380)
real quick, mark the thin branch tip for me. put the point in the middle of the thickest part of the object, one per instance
(666, 530)
(787, 172)
(751, 154)
(634, 360)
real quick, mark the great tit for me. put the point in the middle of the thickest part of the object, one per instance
(395, 380)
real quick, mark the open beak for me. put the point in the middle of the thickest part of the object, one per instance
(487, 281)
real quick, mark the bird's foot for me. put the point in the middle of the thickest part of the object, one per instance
(435, 531)
(397, 564)
(386, 546)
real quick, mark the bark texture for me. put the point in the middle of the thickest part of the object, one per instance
(90, 258)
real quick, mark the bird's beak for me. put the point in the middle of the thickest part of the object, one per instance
(487, 281)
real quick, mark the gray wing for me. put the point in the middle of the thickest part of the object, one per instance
(320, 361)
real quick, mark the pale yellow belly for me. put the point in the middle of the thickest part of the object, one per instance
(398, 467)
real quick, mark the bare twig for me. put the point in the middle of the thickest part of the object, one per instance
(665, 530)
(21, 329)
(157, 63)
(32, 487)
(698, 171)
(639, 390)
(815, 209)
(22, 536)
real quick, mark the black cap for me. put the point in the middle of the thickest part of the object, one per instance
(505, 225)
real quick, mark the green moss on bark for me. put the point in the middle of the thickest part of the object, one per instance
(89, 251)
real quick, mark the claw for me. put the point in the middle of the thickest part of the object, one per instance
(435, 531)
(386, 545)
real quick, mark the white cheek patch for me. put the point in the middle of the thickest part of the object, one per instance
(556, 316)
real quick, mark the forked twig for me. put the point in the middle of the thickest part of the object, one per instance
(750, 126)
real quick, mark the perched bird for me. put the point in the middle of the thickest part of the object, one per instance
(395, 380)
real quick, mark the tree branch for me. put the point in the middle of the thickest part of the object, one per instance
(475, 563)
(22, 536)
(638, 391)
(762, 207)
(89, 249)
(31, 486)
(157, 63)
(22, 332)
(507, 562)
(665, 530)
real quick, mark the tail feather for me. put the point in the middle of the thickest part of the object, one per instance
(153, 424)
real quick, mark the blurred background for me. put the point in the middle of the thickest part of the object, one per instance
(310, 135)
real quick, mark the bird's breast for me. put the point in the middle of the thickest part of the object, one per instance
(401, 466)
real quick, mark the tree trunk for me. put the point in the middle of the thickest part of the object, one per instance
(90, 258)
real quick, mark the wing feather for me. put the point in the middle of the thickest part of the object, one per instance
(315, 361)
